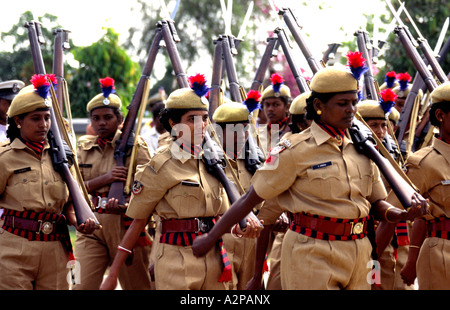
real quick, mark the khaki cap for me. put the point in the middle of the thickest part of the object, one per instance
(231, 112)
(333, 80)
(298, 105)
(186, 98)
(27, 100)
(441, 93)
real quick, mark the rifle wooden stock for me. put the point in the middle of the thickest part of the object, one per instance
(292, 24)
(214, 162)
(361, 139)
(260, 74)
(415, 58)
(124, 146)
(418, 83)
(82, 209)
(299, 79)
(429, 55)
(362, 38)
(216, 79)
(61, 43)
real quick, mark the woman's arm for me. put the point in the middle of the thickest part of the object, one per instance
(240, 208)
(124, 249)
(116, 174)
(417, 236)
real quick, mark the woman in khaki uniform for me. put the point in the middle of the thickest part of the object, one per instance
(34, 239)
(393, 257)
(177, 187)
(329, 189)
(98, 167)
(429, 170)
(275, 102)
(232, 119)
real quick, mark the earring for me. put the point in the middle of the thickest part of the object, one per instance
(441, 120)
(319, 112)
(18, 126)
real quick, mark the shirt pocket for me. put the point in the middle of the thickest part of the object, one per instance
(324, 183)
(86, 171)
(25, 187)
(185, 195)
(366, 181)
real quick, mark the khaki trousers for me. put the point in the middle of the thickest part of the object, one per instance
(314, 264)
(32, 265)
(95, 253)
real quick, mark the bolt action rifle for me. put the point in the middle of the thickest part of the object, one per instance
(211, 155)
(81, 205)
(125, 142)
(371, 89)
(294, 26)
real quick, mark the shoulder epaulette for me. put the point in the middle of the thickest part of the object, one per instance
(294, 139)
(416, 158)
(159, 159)
(86, 141)
(4, 147)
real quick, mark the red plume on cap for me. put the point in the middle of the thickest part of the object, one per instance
(252, 101)
(390, 79)
(41, 84)
(357, 64)
(277, 80)
(387, 99)
(107, 85)
(403, 79)
(198, 84)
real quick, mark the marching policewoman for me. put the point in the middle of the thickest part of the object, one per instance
(329, 189)
(34, 239)
(98, 168)
(232, 118)
(393, 250)
(429, 170)
(176, 186)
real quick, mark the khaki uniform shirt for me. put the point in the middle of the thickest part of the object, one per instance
(269, 138)
(429, 170)
(309, 173)
(174, 186)
(95, 161)
(30, 183)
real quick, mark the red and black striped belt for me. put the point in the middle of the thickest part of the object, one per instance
(28, 222)
(327, 228)
(439, 227)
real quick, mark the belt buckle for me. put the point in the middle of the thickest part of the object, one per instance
(201, 226)
(45, 227)
(102, 202)
(357, 228)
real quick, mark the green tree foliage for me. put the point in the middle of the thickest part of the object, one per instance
(198, 24)
(18, 63)
(429, 16)
(101, 59)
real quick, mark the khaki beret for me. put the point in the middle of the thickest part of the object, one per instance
(441, 93)
(333, 80)
(384, 85)
(370, 109)
(394, 115)
(9, 89)
(27, 100)
(298, 105)
(186, 98)
(107, 98)
(269, 92)
(99, 101)
(231, 112)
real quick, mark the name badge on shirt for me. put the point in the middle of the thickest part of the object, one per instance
(22, 170)
(445, 182)
(322, 165)
(190, 183)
